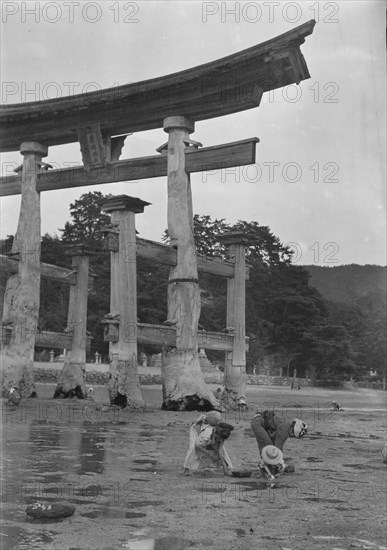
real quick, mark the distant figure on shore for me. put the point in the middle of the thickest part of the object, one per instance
(295, 382)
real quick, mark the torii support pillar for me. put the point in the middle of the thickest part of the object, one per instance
(72, 380)
(184, 387)
(3, 286)
(234, 392)
(124, 383)
(22, 295)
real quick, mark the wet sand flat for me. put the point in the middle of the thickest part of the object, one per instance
(123, 471)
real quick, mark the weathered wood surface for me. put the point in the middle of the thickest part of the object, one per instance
(48, 271)
(72, 379)
(157, 335)
(183, 382)
(227, 85)
(77, 319)
(166, 336)
(50, 340)
(52, 272)
(218, 157)
(124, 384)
(235, 361)
(145, 248)
(22, 295)
(166, 255)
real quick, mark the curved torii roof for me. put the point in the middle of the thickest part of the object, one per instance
(227, 85)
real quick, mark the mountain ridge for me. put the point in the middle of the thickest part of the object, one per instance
(346, 283)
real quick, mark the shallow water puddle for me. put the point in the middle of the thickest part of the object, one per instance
(322, 499)
(320, 470)
(56, 452)
(140, 479)
(262, 485)
(207, 474)
(208, 489)
(166, 543)
(140, 503)
(345, 509)
(149, 464)
(369, 544)
(16, 537)
(112, 513)
(343, 480)
(359, 466)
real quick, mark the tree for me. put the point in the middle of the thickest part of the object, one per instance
(87, 219)
(54, 296)
(364, 321)
(286, 318)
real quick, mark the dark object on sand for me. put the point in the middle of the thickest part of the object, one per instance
(56, 510)
(241, 473)
(289, 468)
(337, 406)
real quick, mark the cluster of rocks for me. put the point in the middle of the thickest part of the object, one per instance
(51, 376)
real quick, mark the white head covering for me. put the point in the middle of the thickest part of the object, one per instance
(299, 427)
(213, 418)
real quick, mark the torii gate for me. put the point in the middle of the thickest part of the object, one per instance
(98, 120)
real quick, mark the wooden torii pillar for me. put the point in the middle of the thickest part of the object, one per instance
(72, 380)
(22, 295)
(184, 387)
(124, 384)
(222, 87)
(234, 392)
(3, 286)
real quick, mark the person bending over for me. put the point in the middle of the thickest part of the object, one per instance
(271, 429)
(206, 444)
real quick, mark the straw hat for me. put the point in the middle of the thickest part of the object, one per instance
(272, 455)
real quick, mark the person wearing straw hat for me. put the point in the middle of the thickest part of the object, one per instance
(272, 463)
(271, 429)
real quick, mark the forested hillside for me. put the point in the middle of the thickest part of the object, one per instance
(356, 298)
(327, 322)
(346, 283)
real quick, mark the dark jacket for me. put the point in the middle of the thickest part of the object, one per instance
(270, 429)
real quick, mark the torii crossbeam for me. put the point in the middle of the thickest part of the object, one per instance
(229, 85)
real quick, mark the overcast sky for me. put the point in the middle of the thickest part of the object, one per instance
(326, 195)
